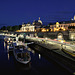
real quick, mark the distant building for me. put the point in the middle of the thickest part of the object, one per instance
(62, 25)
(27, 28)
(37, 23)
(35, 26)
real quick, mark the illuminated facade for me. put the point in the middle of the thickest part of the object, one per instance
(27, 28)
(35, 26)
(62, 25)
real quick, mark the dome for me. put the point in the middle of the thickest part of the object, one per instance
(57, 23)
(40, 20)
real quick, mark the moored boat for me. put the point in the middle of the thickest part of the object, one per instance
(21, 54)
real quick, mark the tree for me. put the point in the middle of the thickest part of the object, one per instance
(20, 26)
(9, 28)
(14, 28)
(4, 28)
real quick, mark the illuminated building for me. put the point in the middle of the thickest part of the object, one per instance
(62, 25)
(34, 27)
(27, 28)
(38, 25)
(38, 22)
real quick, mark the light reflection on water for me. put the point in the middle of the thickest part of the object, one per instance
(39, 56)
(29, 49)
(7, 47)
(8, 56)
(4, 45)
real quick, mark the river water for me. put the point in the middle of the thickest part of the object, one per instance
(39, 65)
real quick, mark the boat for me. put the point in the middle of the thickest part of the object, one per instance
(21, 54)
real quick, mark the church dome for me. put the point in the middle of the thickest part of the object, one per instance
(40, 20)
(57, 23)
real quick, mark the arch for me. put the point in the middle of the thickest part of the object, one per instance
(59, 36)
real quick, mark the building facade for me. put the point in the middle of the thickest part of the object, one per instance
(27, 28)
(62, 25)
(35, 26)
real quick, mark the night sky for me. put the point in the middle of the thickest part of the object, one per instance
(15, 12)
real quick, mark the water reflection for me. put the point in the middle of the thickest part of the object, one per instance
(29, 49)
(40, 64)
(22, 67)
(8, 56)
(33, 51)
(7, 48)
(4, 45)
(39, 56)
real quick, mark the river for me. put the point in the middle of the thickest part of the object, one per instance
(39, 65)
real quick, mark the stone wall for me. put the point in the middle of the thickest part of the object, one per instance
(53, 35)
(72, 35)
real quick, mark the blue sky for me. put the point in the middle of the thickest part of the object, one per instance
(14, 12)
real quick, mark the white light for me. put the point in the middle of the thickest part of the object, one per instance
(46, 38)
(9, 39)
(59, 36)
(39, 56)
(72, 37)
(62, 41)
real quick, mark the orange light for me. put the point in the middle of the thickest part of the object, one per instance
(43, 30)
(47, 29)
(64, 29)
(51, 30)
(57, 29)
